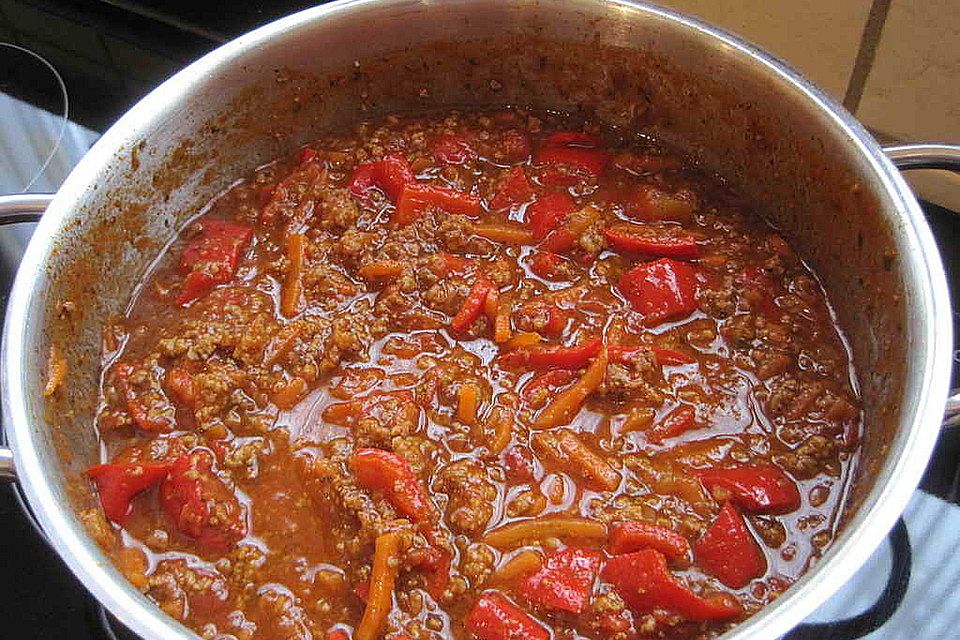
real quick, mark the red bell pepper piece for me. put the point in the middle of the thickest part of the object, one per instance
(416, 198)
(212, 258)
(494, 617)
(634, 535)
(728, 551)
(661, 290)
(473, 306)
(118, 482)
(548, 213)
(515, 190)
(672, 357)
(554, 356)
(565, 582)
(307, 154)
(557, 322)
(450, 148)
(337, 634)
(548, 380)
(391, 475)
(574, 149)
(156, 417)
(514, 146)
(663, 242)
(664, 356)
(389, 175)
(180, 383)
(364, 178)
(198, 502)
(759, 489)
(436, 564)
(645, 584)
(676, 422)
(545, 264)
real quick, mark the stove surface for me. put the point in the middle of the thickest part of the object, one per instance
(109, 54)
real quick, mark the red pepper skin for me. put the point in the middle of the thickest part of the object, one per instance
(307, 154)
(436, 566)
(565, 582)
(664, 356)
(390, 175)
(473, 306)
(645, 584)
(415, 198)
(672, 357)
(652, 242)
(758, 489)
(545, 264)
(557, 322)
(548, 380)
(391, 475)
(337, 634)
(514, 191)
(590, 161)
(634, 535)
(676, 422)
(728, 551)
(450, 148)
(496, 618)
(574, 149)
(180, 383)
(364, 177)
(554, 356)
(661, 290)
(212, 258)
(145, 419)
(117, 484)
(548, 213)
(192, 493)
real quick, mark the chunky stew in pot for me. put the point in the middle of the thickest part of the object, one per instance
(494, 376)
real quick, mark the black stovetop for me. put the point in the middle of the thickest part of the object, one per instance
(110, 53)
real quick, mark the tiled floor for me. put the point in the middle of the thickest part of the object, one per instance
(895, 63)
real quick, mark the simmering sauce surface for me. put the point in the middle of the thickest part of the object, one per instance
(486, 375)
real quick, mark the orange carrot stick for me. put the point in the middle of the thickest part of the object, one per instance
(505, 233)
(566, 406)
(383, 575)
(515, 533)
(292, 289)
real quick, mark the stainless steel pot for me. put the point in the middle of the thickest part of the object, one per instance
(817, 173)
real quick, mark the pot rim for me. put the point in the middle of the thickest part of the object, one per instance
(860, 536)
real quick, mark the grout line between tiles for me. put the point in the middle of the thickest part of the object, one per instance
(869, 41)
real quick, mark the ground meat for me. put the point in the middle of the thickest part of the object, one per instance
(739, 331)
(810, 458)
(183, 591)
(471, 495)
(477, 564)
(385, 417)
(637, 377)
(719, 300)
(282, 614)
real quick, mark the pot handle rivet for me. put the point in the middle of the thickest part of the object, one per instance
(23, 207)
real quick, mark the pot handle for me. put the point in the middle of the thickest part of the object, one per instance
(931, 156)
(23, 207)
